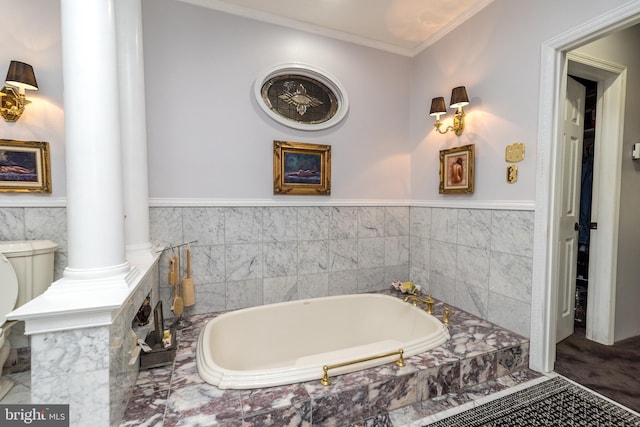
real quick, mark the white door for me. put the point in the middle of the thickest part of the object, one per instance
(570, 206)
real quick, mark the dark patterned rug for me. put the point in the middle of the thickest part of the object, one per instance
(556, 402)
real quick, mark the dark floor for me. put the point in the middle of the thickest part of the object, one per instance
(613, 371)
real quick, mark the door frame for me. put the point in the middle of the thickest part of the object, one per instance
(548, 174)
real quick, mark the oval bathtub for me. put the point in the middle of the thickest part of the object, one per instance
(290, 342)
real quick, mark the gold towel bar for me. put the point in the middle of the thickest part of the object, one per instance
(325, 377)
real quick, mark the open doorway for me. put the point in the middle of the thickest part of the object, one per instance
(586, 192)
(555, 65)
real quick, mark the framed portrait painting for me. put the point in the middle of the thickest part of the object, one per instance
(456, 170)
(24, 166)
(300, 168)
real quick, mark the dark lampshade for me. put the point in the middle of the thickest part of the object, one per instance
(459, 97)
(21, 75)
(437, 106)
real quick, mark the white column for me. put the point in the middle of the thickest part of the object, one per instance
(95, 214)
(133, 128)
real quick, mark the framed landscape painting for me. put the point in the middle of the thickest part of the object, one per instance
(24, 166)
(300, 168)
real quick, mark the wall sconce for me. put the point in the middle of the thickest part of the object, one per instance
(12, 101)
(459, 99)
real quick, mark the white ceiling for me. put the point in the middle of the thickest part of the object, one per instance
(401, 26)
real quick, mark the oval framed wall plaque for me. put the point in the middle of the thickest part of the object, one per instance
(301, 96)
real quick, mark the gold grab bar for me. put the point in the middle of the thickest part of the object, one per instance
(325, 377)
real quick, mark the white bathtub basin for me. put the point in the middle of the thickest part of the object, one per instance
(290, 342)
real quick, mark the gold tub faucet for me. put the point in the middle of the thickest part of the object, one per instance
(447, 312)
(415, 299)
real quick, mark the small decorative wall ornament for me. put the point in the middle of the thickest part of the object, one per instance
(301, 96)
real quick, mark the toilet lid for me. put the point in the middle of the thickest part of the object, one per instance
(8, 288)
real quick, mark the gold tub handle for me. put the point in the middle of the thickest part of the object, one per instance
(325, 376)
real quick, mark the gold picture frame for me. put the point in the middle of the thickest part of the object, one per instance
(300, 168)
(24, 166)
(457, 169)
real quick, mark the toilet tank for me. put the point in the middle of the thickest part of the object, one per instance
(32, 261)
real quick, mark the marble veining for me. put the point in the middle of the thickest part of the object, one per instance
(466, 366)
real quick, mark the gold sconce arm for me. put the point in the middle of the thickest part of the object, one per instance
(12, 104)
(458, 124)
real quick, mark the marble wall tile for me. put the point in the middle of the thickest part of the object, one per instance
(474, 228)
(420, 276)
(370, 252)
(396, 250)
(394, 273)
(442, 288)
(510, 313)
(280, 259)
(444, 225)
(243, 261)
(280, 289)
(343, 254)
(472, 299)
(511, 276)
(66, 352)
(443, 258)
(420, 252)
(396, 221)
(207, 264)
(370, 279)
(60, 262)
(209, 298)
(242, 225)
(313, 285)
(280, 224)
(47, 224)
(370, 222)
(206, 225)
(420, 222)
(343, 222)
(473, 267)
(12, 220)
(165, 225)
(313, 256)
(343, 282)
(512, 232)
(244, 293)
(313, 223)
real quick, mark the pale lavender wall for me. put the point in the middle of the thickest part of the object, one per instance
(31, 34)
(496, 55)
(208, 138)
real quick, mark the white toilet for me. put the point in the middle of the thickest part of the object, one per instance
(26, 271)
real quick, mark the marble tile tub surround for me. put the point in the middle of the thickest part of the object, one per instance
(250, 256)
(478, 353)
(477, 259)
(90, 369)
